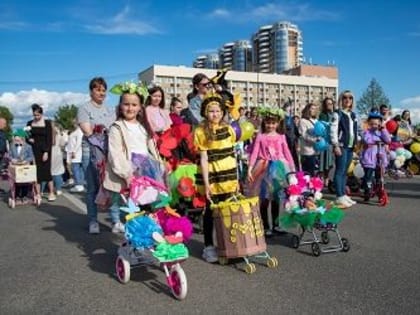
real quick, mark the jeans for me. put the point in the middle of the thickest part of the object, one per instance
(85, 156)
(114, 210)
(58, 181)
(78, 173)
(92, 183)
(367, 179)
(310, 164)
(342, 163)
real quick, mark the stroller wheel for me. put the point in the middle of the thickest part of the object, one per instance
(325, 238)
(178, 282)
(250, 268)
(295, 241)
(272, 262)
(346, 245)
(316, 250)
(122, 268)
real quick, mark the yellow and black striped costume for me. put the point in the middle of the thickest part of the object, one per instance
(223, 178)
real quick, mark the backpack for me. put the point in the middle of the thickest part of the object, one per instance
(3, 142)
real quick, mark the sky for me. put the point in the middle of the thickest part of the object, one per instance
(51, 49)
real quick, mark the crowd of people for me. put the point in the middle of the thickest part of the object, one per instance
(132, 130)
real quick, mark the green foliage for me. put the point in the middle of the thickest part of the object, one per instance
(373, 96)
(6, 114)
(65, 116)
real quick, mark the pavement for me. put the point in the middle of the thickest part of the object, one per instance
(50, 265)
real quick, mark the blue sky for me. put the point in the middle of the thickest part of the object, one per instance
(51, 49)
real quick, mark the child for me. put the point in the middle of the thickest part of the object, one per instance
(270, 145)
(176, 108)
(374, 134)
(21, 154)
(74, 149)
(57, 165)
(157, 115)
(217, 177)
(130, 134)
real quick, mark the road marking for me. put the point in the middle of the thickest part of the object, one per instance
(76, 201)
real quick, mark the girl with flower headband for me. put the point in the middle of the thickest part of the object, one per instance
(269, 162)
(129, 136)
(217, 177)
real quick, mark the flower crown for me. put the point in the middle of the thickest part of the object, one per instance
(268, 112)
(130, 88)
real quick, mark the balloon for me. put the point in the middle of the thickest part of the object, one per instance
(391, 126)
(321, 145)
(237, 128)
(358, 171)
(392, 155)
(248, 130)
(415, 147)
(320, 129)
(407, 154)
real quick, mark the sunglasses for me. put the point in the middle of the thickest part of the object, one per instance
(207, 84)
(347, 97)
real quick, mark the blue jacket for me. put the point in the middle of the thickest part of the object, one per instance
(26, 154)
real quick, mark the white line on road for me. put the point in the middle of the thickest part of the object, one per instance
(76, 201)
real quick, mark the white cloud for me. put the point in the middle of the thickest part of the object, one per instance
(19, 103)
(275, 11)
(122, 23)
(411, 102)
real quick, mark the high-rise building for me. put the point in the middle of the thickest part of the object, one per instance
(242, 56)
(262, 50)
(226, 55)
(209, 61)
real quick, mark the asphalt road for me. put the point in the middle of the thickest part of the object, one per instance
(50, 265)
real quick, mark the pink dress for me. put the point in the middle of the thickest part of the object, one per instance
(158, 118)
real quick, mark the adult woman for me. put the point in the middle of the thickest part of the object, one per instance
(157, 115)
(201, 85)
(327, 157)
(129, 134)
(343, 135)
(405, 130)
(41, 139)
(310, 157)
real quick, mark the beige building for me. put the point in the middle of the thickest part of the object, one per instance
(255, 88)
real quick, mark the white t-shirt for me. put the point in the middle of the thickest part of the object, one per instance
(137, 138)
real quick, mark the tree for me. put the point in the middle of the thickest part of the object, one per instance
(373, 96)
(65, 116)
(6, 114)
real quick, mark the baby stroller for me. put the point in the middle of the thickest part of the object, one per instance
(22, 177)
(378, 185)
(317, 220)
(150, 240)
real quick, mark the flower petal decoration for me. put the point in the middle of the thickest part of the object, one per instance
(166, 142)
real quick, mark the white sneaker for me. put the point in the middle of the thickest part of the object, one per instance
(350, 200)
(58, 192)
(342, 202)
(118, 228)
(52, 197)
(93, 228)
(210, 254)
(77, 189)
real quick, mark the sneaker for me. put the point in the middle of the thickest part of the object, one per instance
(51, 197)
(209, 254)
(59, 192)
(350, 200)
(93, 228)
(118, 228)
(268, 233)
(77, 189)
(342, 202)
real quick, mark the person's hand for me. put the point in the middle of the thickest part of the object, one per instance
(250, 177)
(128, 181)
(337, 151)
(31, 140)
(208, 193)
(45, 157)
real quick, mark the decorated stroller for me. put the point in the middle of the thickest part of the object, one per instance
(22, 177)
(317, 219)
(154, 236)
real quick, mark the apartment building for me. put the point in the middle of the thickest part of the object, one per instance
(255, 88)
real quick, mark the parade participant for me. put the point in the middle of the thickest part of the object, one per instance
(74, 152)
(310, 157)
(21, 154)
(94, 115)
(157, 115)
(176, 109)
(270, 145)
(3, 147)
(129, 134)
(385, 112)
(327, 157)
(292, 134)
(405, 130)
(375, 132)
(57, 165)
(217, 178)
(201, 85)
(343, 134)
(41, 139)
